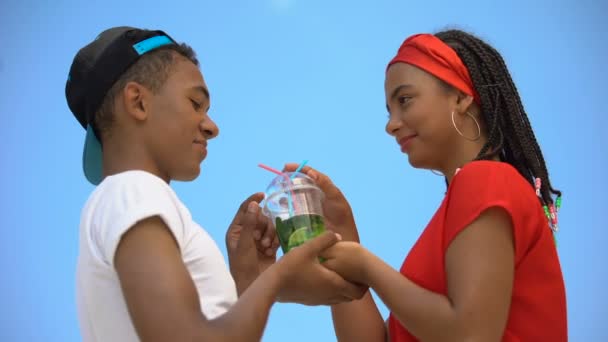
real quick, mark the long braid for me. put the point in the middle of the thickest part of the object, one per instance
(510, 135)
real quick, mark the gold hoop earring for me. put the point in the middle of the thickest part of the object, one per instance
(476, 123)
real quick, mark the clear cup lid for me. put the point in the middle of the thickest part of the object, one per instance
(282, 189)
(281, 184)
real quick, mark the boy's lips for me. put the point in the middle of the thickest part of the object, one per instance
(201, 142)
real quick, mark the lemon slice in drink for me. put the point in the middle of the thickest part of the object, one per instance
(298, 237)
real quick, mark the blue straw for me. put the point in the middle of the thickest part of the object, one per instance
(290, 206)
(299, 168)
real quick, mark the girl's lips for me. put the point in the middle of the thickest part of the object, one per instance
(405, 142)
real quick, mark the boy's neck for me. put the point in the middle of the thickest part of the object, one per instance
(119, 158)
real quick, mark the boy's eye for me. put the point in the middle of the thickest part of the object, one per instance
(195, 105)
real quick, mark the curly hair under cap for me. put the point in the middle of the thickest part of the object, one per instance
(152, 71)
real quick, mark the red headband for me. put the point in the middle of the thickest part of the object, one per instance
(432, 55)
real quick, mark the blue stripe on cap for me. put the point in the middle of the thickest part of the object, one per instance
(151, 43)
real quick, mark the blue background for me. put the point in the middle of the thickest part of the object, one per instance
(293, 80)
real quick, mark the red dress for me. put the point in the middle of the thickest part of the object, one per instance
(538, 302)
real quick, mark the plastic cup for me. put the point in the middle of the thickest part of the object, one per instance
(294, 205)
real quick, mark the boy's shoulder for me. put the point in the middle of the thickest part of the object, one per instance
(128, 190)
(122, 200)
(131, 183)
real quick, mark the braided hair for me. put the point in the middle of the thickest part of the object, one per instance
(510, 136)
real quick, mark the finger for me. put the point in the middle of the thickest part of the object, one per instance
(274, 246)
(267, 240)
(257, 198)
(322, 180)
(291, 167)
(352, 290)
(328, 254)
(276, 243)
(325, 184)
(275, 237)
(270, 243)
(262, 242)
(267, 231)
(339, 300)
(243, 252)
(271, 252)
(261, 227)
(307, 170)
(342, 299)
(318, 244)
(343, 286)
(248, 222)
(331, 264)
(361, 291)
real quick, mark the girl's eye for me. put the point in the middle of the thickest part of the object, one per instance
(403, 99)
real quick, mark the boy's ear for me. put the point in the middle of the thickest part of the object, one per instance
(136, 100)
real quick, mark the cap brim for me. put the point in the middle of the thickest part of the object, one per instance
(92, 158)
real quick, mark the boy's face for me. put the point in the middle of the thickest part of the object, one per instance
(178, 124)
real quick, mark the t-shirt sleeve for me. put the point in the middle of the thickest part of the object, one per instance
(127, 201)
(483, 185)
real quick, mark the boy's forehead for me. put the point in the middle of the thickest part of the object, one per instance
(187, 74)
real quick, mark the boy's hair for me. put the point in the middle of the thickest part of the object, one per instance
(152, 71)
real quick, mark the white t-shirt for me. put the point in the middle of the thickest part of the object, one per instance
(118, 203)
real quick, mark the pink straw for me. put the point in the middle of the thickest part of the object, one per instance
(268, 168)
(290, 199)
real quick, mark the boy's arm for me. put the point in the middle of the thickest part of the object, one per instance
(163, 302)
(161, 297)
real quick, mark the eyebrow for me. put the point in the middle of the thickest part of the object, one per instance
(396, 91)
(203, 90)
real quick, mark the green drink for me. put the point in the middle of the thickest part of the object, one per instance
(294, 205)
(298, 229)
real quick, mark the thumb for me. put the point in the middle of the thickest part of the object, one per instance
(257, 197)
(315, 246)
